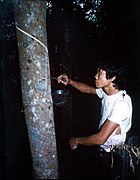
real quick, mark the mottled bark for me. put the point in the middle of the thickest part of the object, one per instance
(30, 18)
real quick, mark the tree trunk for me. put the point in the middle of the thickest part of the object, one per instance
(36, 86)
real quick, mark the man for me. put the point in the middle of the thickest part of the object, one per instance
(116, 114)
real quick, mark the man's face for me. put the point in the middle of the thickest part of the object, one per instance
(100, 79)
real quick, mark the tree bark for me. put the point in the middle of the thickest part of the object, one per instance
(30, 19)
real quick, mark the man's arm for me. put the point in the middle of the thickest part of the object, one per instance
(95, 139)
(78, 85)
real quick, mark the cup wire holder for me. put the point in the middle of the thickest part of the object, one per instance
(60, 96)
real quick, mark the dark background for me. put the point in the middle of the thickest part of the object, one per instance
(75, 46)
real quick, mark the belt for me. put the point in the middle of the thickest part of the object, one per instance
(101, 150)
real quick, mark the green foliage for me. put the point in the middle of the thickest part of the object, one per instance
(91, 10)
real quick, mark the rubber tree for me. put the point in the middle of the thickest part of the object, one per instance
(30, 18)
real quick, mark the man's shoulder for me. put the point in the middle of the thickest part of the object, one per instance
(100, 93)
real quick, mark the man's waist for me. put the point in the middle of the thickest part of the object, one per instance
(109, 149)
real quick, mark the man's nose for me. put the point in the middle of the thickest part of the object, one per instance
(96, 76)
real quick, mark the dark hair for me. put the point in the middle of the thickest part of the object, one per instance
(114, 70)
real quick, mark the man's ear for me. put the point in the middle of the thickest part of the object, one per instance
(113, 78)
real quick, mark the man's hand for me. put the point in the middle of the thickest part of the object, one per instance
(63, 78)
(72, 143)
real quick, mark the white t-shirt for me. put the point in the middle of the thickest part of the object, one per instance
(118, 109)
